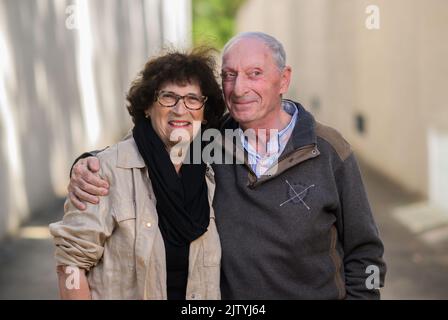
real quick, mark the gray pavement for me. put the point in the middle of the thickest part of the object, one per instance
(416, 269)
(27, 267)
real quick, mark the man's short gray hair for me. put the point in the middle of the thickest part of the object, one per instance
(278, 52)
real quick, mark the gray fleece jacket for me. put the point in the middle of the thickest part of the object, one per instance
(304, 232)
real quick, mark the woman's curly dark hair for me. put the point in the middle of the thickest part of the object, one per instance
(197, 66)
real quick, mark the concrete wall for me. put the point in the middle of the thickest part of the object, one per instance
(395, 78)
(65, 67)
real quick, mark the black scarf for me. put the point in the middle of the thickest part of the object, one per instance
(182, 200)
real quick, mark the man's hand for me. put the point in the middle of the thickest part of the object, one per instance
(86, 184)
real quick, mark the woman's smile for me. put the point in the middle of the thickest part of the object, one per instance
(176, 124)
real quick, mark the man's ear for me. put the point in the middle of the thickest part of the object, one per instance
(285, 79)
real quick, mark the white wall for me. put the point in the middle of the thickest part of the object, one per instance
(396, 77)
(65, 67)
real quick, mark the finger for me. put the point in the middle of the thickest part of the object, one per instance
(92, 188)
(93, 164)
(96, 181)
(75, 201)
(84, 196)
(79, 169)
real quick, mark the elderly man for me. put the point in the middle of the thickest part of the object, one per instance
(299, 224)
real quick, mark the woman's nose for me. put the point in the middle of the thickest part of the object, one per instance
(180, 107)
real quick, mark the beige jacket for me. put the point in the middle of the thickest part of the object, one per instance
(119, 242)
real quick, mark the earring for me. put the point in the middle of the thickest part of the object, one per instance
(146, 116)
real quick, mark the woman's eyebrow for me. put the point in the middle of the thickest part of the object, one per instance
(189, 93)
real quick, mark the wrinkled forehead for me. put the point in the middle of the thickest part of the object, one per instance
(245, 52)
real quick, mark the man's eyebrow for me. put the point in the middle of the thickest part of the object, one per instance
(248, 68)
(254, 67)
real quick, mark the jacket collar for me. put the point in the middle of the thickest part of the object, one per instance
(303, 134)
(128, 156)
(301, 146)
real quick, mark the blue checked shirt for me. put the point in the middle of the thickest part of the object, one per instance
(275, 146)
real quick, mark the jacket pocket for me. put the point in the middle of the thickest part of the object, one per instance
(122, 242)
(124, 210)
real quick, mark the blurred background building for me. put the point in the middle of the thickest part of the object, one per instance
(65, 67)
(375, 70)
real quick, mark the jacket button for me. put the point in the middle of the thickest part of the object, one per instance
(149, 224)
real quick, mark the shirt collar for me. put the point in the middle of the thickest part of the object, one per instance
(292, 110)
(289, 108)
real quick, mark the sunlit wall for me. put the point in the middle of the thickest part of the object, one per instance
(377, 70)
(65, 66)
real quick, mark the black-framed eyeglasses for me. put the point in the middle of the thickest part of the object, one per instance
(170, 99)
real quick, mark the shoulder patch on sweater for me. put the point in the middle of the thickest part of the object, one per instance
(335, 139)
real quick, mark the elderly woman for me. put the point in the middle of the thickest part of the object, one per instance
(154, 236)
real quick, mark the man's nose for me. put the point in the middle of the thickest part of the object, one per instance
(240, 86)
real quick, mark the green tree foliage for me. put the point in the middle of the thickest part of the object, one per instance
(214, 21)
